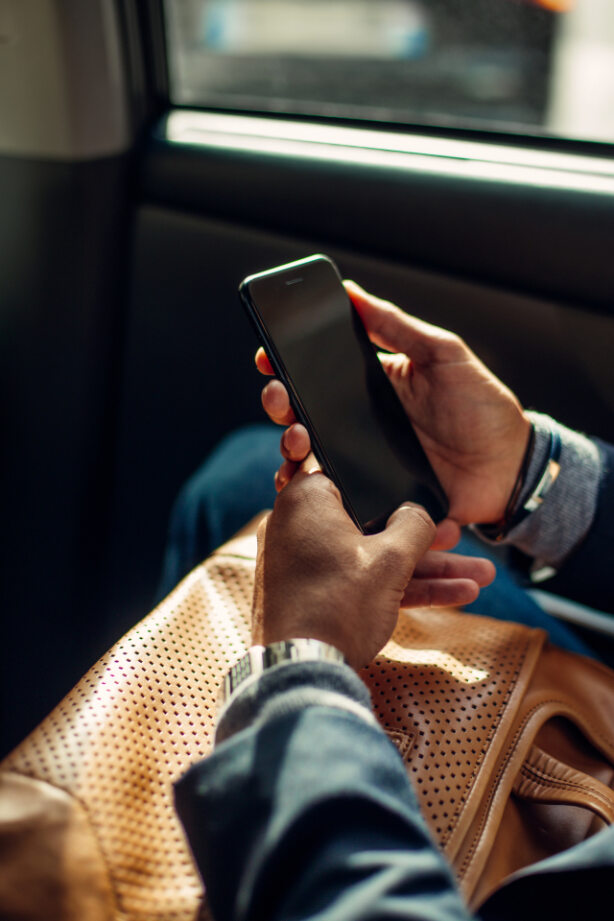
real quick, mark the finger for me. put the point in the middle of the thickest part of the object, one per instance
(447, 536)
(316, 487)
(438, 565)
(395, 330)
(431, 593)
(396, 364)
(295, 443)
(310, 465)
(285, 474)
(276, 403)
(262, 362)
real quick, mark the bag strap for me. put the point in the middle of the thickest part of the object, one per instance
(545, 779)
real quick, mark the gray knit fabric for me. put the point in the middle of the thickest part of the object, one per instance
(552, 531)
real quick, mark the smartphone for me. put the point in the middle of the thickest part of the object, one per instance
(319, 348)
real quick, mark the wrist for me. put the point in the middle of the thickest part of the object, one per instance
(520, 456)
(511, 456)
(538, 474)
(305, 614)
(514, 509)
(560, 522)
(325, 637)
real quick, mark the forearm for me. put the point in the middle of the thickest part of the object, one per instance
(306, 809)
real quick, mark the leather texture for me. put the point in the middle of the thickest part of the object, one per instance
(508, 741)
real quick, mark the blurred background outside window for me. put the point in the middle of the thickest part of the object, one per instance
(542, 67)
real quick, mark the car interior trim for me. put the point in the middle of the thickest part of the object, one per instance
(63, 75)
(389, 150)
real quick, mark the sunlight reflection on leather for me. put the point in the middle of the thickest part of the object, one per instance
(437, 659)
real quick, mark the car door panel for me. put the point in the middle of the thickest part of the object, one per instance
(189, 375)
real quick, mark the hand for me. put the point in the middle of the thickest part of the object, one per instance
(471, 426)
(317, 576)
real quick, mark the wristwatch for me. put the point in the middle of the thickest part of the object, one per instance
(258, 659)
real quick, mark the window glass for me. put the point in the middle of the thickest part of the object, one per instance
(543, 66)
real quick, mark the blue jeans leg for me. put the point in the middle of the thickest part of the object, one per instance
(234, 483)
(506, 599)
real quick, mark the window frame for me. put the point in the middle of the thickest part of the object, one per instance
(155, 30)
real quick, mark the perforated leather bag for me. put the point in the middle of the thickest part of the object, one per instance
(509, 743)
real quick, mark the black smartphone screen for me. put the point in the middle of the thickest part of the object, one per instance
(319, 348)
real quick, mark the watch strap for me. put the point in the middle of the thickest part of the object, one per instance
(258, 659)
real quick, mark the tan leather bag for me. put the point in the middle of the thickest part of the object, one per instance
(508, 741)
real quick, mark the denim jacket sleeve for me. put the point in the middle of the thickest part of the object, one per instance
(307, 812)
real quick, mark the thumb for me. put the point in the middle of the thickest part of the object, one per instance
(408, 534)
(393, 329)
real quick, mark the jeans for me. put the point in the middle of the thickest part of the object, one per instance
(236, 482)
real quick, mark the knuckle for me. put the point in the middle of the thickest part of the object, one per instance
(317, 482)
(419, 518)
(427, 527)
(395, 555)
(298, 489)
(452, 344)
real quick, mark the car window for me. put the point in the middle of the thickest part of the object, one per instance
(542, 67)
